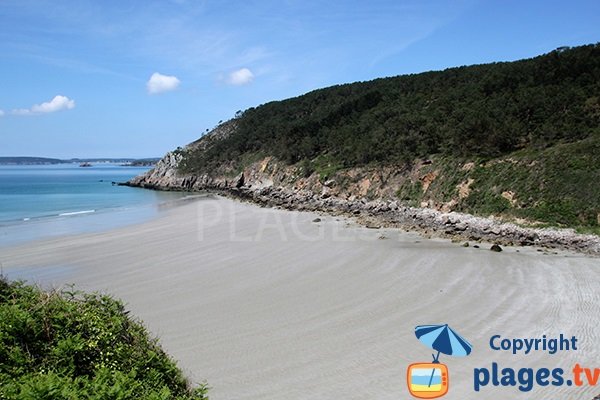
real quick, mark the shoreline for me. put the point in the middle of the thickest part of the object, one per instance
(267, 303)
(17, 232)
(391, 214)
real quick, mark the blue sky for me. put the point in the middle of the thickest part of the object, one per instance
(138, 78)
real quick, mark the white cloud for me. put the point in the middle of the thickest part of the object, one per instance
(58, 103)
(159, 83)
(1, 113)
(240, 77)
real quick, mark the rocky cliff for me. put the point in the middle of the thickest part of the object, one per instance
(372, 194)
(166, 175)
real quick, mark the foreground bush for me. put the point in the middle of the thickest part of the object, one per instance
(71, 345)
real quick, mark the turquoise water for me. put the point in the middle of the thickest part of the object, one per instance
(48, 200)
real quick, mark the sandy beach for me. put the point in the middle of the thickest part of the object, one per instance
(268, 304)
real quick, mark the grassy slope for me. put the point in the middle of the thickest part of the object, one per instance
(70, 345)
(557, 186)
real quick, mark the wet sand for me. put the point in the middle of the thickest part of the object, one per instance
(267, 304)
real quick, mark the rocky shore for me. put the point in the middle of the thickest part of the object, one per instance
(457, 226)
(377, 213)
(368, 196)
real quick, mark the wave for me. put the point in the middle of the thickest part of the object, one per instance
(158, 205)
(76, 213)
(42, 217)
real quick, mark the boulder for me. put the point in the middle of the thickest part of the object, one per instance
(496, 248)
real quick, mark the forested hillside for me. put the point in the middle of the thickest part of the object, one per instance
(482, 110)
(513, 139)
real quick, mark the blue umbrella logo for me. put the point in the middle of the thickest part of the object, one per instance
(444, 340)
(425, 384)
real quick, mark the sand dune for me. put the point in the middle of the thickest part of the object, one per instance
(267, 304)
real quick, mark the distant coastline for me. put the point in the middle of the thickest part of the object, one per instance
(25, 160)
(29, 161)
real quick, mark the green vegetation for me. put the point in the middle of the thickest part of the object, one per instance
(411, 193)
(325, 165)
(244, 161)
(558, 186)
(29, 161)
(482, 110)
(542, 112)
(71, 345)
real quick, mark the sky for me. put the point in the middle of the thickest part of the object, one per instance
(106, 78)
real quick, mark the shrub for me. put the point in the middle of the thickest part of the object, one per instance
(73, 345)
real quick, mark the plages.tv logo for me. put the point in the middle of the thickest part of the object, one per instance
(429, 380)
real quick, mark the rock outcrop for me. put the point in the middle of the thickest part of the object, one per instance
(166, 176)
(390, 213)
(368, 194)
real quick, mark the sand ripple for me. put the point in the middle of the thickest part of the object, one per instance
(292, 309)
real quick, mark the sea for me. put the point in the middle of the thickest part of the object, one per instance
(41, 201)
